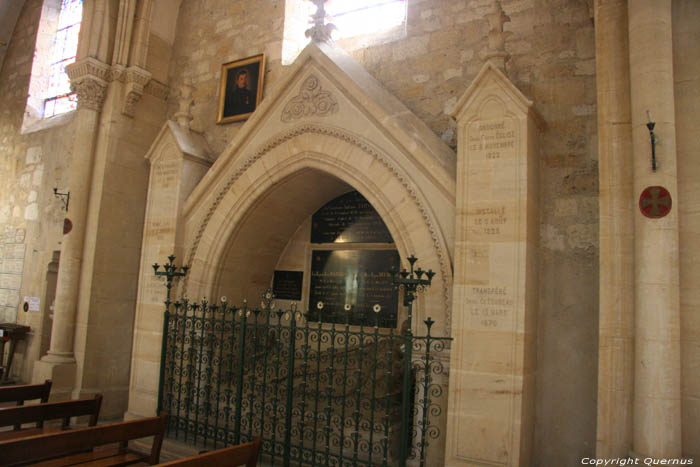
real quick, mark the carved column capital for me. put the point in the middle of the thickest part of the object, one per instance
(89, 79)
(136, 79)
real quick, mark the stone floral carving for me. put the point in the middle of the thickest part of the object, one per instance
(136, 80)
(311, 100)
(91, 92)
(89, 79)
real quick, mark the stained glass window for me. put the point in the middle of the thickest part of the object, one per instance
(59, 97)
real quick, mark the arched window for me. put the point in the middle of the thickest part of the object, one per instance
(56, 47)
(368, 22)
(59, 98)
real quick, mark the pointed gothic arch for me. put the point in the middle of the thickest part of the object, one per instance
(212, 227)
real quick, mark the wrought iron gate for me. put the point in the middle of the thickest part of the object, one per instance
(314, 393)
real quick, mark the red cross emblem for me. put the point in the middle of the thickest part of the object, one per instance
(655, 202)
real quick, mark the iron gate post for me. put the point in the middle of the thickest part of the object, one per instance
(170, 273)
(239, 375)
(290, 385)
(412, 281)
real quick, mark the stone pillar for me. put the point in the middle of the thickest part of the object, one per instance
(657, 397)
(89, 80)
(492, 367)
(617, 211)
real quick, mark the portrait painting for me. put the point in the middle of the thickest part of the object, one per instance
(241, 88)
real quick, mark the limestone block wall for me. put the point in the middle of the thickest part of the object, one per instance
(31, 218)
(552, 48)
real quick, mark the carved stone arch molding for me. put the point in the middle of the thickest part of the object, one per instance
(411, 220)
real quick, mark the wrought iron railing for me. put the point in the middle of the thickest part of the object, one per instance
(322, 394)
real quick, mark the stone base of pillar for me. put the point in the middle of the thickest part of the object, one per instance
(113, 402)
(61, 374)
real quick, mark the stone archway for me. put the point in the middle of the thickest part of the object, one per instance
(256, 183)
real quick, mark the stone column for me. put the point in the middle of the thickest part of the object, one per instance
(657, 401)
(617, 211)
(88, 79)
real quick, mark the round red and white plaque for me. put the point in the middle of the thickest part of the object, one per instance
(655, 202)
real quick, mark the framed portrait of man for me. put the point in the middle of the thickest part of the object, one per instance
(241, 88)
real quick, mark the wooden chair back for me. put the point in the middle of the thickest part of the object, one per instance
(23, 451)
(25, 392)
(234, 456)
(39, 413)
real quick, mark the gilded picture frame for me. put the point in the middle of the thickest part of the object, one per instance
(240, 91)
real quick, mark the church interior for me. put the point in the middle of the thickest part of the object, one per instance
(366, 232)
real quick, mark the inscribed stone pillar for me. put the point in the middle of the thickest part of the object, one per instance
(491, 394)
(88, 78)
(657, 395)
(179, 158)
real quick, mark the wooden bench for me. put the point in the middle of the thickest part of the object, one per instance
(25, 392)
(40, 413)
(77, 446)
(234, 456)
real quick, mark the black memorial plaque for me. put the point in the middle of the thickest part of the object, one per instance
(286, 285)
(360, 278)
(349, 218)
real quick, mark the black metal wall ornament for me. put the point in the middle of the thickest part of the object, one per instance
(652, 135)
(64, 197)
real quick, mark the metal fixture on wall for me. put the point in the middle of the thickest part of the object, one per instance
(650, 126)
(65, 198)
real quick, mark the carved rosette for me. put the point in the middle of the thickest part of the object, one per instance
(136, 79)
(89, 78)
(312, 100)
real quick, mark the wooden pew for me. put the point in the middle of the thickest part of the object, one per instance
(77, 446)
(25, 392)
(234, 456)
(40, 413)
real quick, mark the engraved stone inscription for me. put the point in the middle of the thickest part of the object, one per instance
(490, 306)
(488, 220)
(160, 224)
(491, 223)
(492, 139)
(360, 278)
(349, 218)
(286, 285)
(478, 260)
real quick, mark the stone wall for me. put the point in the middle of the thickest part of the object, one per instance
(31, 165)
